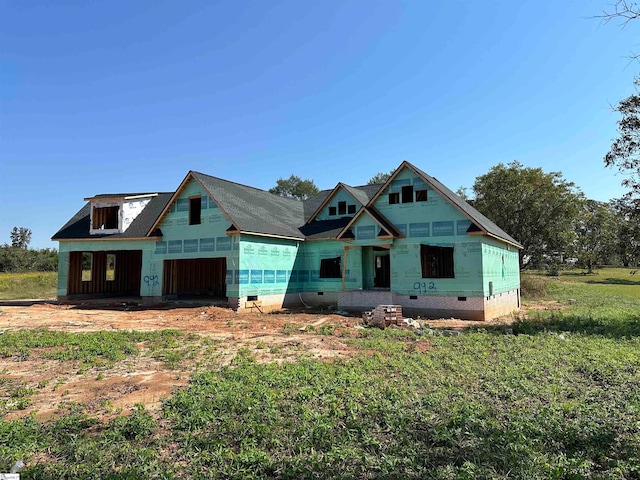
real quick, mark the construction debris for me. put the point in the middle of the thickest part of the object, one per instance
(383, 316)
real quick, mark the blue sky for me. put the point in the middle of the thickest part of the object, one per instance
(120, 96)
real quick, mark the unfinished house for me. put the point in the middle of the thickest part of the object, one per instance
(409, 242)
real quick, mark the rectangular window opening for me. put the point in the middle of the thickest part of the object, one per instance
(342, 208)
(421, 195)
(330, 268)
(462, 299)
(394, 197)
(105, 218)
(195, 210)
(407, 194)
(436, 262)
(351, 209)
(252, 298)
(111, 267)
(333, 211)
(320, 293)
(87, 266)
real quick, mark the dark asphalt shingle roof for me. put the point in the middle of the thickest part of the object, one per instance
(79, 225)
(317, 229)
(254, 210)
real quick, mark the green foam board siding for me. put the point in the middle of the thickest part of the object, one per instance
(500, 266)
(265, 265)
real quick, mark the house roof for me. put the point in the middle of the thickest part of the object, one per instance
(253, 210)
(318, 229)
(78, 226)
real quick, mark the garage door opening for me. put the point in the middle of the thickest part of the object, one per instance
(195, 278)
(105, 274)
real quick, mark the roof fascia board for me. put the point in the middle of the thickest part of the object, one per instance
(502, 240)
(357, 215)
(395, 234)
(270, 235)
(133, 197)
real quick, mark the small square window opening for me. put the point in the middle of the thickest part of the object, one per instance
(394, 197)
(351, 209)
(421, 195)
(333, 211)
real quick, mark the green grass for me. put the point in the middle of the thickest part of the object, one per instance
(560, 399)
(33, 285)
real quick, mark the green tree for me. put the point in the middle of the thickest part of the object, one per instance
(625, 150)
(379, 178)
(596, 234)
(536, 208)
(294, 187)
(627, 212)
(20, 237)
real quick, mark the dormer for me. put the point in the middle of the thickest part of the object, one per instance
(114, 213)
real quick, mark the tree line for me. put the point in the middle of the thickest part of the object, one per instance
(18, 257)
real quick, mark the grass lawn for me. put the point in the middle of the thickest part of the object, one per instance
(31, 285)
(558, 399)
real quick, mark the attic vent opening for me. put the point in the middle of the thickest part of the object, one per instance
(105, 218)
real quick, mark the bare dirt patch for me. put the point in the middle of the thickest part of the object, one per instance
(151, 375)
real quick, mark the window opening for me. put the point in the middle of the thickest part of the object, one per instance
(333, 211)
(105, 218)
(407, 194)
(421, 195)
(330, 268)
(195, 208)
(394, 197)
(87, 266)
(437, 262)
(342, 208)
(351, 209)
(111, 267)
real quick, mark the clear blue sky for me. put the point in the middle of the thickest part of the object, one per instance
(128, 96)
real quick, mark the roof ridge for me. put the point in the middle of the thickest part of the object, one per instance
(245, 186)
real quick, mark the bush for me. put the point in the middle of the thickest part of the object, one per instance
(533, 286)
(14, 260)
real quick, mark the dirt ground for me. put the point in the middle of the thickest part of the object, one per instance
(147, 377)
